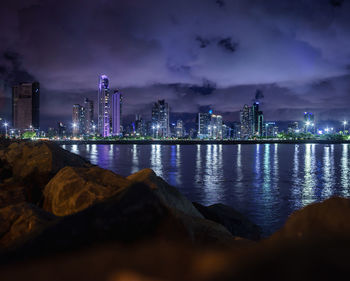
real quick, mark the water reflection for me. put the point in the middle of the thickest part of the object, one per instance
(178, 165)
(328, 171)
(239, 180)
(93, 154)
(309, 175)
(344, 178)
(135, 159)
(156, 159)
(213, 176)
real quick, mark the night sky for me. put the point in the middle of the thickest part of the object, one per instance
(194, 53)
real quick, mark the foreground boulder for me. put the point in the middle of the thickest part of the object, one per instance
(20, 220)
(12, 193)
(134, 214)
(235, 222)
(33, 164)
(74, 189)
(39, 159)
(169, 195)
(328, 219)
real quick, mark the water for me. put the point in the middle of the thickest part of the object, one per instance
(266, 182)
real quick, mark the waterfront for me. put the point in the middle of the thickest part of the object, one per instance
(266, 182)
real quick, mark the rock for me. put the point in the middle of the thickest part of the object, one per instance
(74, 189)
(204, 232)
(169, 195)
(233, 221)
(326, 220)
(134, 214)
(40, 159)
(12, 193)
(20, 220)
(35, 163)
(5, 170)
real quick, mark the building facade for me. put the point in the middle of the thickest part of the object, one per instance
(160, 120)
(117, 101)
(89, 116)
(104, 107)
(203, 125)
(26, 106)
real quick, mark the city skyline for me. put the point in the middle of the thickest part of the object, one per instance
(201, 53)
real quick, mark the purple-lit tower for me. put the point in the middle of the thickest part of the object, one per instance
(116, 113)
(104, 106)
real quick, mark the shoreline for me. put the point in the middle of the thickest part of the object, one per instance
(192, 142)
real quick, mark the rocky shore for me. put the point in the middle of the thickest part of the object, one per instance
(62, 218)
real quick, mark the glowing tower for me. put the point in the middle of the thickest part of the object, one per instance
(104, 106)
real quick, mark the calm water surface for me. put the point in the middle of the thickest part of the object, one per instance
(266, 182)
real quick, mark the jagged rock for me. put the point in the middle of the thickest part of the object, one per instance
(40, 159)
(12, 193)
(328, 219)
(167, 193)
(74, 189)
(205, 232)
(134, 214)
(234, 222)
(34, 164)
(18, 221)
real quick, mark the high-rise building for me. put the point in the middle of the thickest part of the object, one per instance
(246, 122)
(26, 106)
(89, 116)
(179, 129)
(78, 120)
(215, 128)
(104, 107)
(309, 122)
(160, 120)
(257, 120)
(61, 130)
(140, 126)
(203, 125)
(117, 99)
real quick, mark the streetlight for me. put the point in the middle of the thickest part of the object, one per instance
(5, 125)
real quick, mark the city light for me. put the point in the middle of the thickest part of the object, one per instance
(308, 123)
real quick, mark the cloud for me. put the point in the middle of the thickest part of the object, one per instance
(286, 46)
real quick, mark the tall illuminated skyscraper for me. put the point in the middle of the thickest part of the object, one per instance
(160, 119)
(104, 106)
(25, 106)
(117, 99)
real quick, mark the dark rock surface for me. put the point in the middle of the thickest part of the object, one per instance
(235, 222)
(123, 217)
(74, 189)
(19, 220)
(169, 195)
(33, 164)
(12, 193)
(326, 220)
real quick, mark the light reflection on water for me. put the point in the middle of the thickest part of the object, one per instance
(266, 182)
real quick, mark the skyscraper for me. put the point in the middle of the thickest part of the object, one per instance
(215, 129)
(246, 123)
(257, 120)
(78, 120)
(117, 99)
(26, 106)
(179, 129)
(309, 122)
(160, 119)
(203, 125)
(104, 106)
(89, 115)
